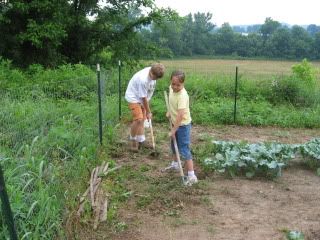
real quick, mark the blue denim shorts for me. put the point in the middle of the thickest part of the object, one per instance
(183, 136)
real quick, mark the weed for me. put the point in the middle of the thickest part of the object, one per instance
(205, 200)
(121, 226)
(211, 229)
(177, 222)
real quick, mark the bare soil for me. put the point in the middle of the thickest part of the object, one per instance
(219, 207)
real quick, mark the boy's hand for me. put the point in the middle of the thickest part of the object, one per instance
(168, 114)
(149, 115)
(172, 133)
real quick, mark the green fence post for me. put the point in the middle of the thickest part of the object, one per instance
(119, 85)
(6, 208)
(235, 97)
(99, 104)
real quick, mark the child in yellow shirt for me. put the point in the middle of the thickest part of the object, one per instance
(181, 120)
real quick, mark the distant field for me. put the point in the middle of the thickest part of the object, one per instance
(246, 67)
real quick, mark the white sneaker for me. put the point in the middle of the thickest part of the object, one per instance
(191, 180)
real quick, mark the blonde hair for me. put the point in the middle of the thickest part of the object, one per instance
(179, 74)
(157, 69)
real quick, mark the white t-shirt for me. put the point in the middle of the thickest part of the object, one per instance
(140, 86)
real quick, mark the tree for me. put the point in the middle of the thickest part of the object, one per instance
(316, 45)
(167, 36)
(187, 35)
(301, 42)
(32, 31)
(202, 28)
(57, 31)
(253, 28)
(239, 29)
(225, 40)
(272, 45)
(279, 44)
(312, 29)
(269, 27)
(255, 45)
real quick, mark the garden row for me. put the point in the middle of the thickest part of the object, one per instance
(258, 159)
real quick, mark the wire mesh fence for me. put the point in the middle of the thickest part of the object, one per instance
(36, 108)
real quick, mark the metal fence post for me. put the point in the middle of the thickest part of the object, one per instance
(99, 104)
(119, 85)
(6, 208)
(235, 97)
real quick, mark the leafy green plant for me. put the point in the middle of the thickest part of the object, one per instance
(305, 72)
(266, 159)
(311, 152)
(295, 235)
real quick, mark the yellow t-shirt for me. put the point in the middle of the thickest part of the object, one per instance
(179, 100)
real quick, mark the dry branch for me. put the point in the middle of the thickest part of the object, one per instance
(95, 196)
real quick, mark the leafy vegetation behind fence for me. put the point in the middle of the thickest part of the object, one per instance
(288, 100)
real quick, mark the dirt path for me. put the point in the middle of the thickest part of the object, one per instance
(219, 207)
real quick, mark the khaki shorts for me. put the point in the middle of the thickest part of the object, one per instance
(138, 112)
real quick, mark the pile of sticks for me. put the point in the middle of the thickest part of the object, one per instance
(95, 196)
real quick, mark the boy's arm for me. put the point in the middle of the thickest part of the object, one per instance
(177, 124)
(146, 106)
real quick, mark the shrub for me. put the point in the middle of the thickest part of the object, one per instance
(305, 72)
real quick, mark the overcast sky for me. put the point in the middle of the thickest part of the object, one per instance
(247, 12)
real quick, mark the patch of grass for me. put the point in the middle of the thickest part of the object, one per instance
(205, 137)
(205, 200)
(121, 226)
(172, 213)
(211, 229)
(178, 222)
(144, 168)
(144, 201)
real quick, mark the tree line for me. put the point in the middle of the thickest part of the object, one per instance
(197, 35)
(54, 32)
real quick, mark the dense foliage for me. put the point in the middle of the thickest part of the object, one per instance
(55, 32)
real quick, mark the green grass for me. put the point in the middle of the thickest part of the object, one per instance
(48, 149)
(49, 143)
(35, 200)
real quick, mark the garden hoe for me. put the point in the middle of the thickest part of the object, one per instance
(183, 177)
(154, 153)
